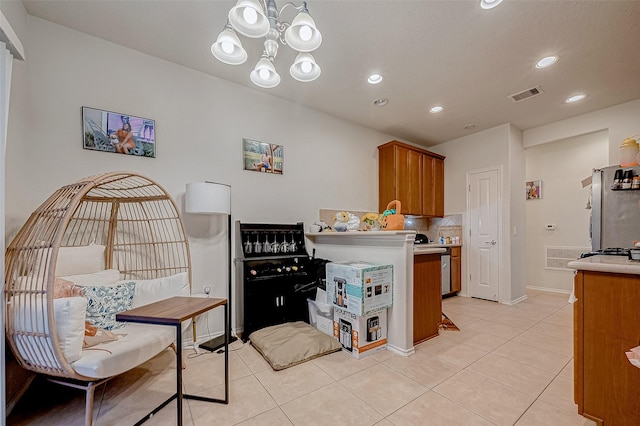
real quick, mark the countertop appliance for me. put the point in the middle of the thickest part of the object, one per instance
(445, 261)
(421, 239)
(615, 214)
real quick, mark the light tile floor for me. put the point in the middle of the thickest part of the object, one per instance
(507, 365)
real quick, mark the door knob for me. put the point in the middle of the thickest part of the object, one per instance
(492, 242)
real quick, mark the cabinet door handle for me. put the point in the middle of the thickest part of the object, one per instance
(278, 301)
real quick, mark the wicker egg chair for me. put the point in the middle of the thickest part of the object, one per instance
(131, 215)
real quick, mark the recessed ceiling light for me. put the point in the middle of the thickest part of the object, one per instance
(489, 4)
(436, 109)
(381, 102)
(575, 98)
(547, 62)
(374, 79)
(470, 127)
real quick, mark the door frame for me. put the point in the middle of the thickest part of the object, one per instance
(501, 278)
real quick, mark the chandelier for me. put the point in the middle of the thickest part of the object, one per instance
(260, 18)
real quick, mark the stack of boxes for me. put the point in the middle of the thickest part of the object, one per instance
(360, 293)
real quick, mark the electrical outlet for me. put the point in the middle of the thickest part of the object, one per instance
(207, 289)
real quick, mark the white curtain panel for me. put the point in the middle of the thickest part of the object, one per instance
(6, 61)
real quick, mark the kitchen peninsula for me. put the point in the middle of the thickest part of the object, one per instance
(606, 325)
(383, 247)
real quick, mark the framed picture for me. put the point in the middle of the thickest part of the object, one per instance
(109, 131)
(534, 190)
(262, 157)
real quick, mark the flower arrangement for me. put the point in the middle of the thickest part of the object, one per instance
(372, 221)
(346, 221)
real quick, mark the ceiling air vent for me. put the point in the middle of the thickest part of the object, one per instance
(526, 94)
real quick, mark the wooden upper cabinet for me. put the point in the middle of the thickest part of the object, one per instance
(413, 176)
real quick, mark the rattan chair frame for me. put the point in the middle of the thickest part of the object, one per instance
(131, 215)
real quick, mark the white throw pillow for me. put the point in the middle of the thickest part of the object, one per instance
(106, 278)
(149, 291)
(80, 260)
(68, 314)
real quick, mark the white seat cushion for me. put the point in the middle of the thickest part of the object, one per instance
(141, 343)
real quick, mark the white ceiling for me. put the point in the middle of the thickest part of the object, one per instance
(451, 53)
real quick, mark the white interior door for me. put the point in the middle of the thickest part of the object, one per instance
(485, 219)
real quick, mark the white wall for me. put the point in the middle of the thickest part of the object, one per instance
(517, 225)
(561, 166)
(620, 120)
(499, 146)
(200, 123)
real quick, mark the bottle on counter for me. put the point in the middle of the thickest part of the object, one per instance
(627, 179)
(617, 180)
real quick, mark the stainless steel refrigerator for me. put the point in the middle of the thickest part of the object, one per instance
(615, 214)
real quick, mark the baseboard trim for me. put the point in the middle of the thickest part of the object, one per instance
(547, 289)
(401, 352)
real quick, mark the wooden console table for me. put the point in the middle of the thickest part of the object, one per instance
(173, 312)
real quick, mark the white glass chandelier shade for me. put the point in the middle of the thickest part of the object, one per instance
(302, 35)
(208, 198)
(228, 48)
(304, 68)
(264, 74)
(248, 18)
(261, 18)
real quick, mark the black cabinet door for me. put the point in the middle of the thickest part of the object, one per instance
(276, 301)
(264, 305)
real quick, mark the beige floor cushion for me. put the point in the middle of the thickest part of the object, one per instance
(291, 343)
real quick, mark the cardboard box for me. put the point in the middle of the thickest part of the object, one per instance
(359, 287)
(360, 335)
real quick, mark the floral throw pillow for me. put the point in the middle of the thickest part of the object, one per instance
(103, 303)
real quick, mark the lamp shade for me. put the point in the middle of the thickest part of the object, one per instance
(208, 198)
(303, 35)
(228, 48)
(304, 68)
(264, 74)
(248, 18)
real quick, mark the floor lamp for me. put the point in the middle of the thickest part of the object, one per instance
(213, 198)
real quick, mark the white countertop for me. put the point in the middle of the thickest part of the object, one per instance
(611, 264)
(425, 249)
(358, 233)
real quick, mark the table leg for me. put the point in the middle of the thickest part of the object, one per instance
(226, 353)
(179, 371)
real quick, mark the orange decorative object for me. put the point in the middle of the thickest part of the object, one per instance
(395, 221)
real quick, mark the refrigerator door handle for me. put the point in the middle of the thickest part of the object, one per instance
(596, 210)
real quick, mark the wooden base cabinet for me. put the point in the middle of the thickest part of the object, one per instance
(606, 325)
(412, 175)
(427, 297)
(456, 270)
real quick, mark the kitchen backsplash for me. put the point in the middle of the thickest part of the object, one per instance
(434, 228)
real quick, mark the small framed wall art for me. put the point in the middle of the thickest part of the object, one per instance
(109, 131)
(262, 157)
(534, 190)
